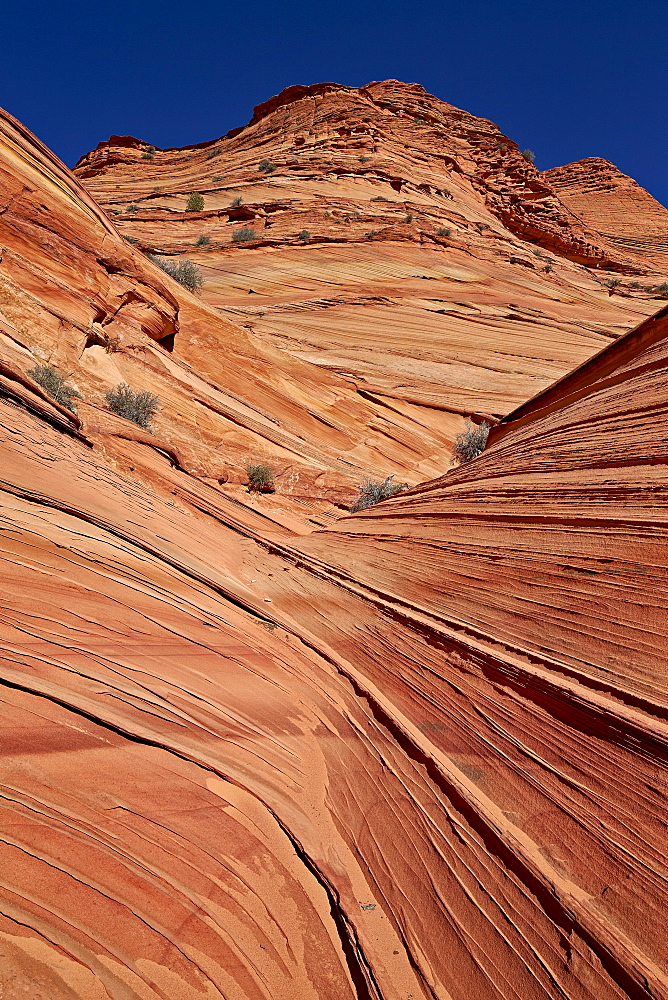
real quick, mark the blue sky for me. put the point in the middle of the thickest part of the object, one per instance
(568, 79)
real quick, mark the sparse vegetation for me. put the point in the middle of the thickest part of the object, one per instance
(243, 235)
(148, 153)
(266, 167)
(373, 491)
(529, 155)
(56, 385)
(444, 232)
(260, 479)
(372, 232)
(304, 236)
(481, 227)
(203, 241)
(138, 406)
(409, 218)
(236, 202)
(612, 283)
(380, 198)
(212, 152)
(471, 442)
(133, 208)
(128, 239)
(195, 202)
(183, 271)
(363, 159)
(662, 290)
(635, 285)
(548, 268)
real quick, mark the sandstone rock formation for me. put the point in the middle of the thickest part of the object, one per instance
(421, 754)
(398, 241)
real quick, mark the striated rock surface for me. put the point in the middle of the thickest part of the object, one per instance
(418, 756)
(615, 205)
(396, 240)
(75, 295)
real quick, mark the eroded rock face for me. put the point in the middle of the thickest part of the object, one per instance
(75, 295)
(420, 755)
(396, 240)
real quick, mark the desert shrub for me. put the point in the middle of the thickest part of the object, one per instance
(529, 155)
(56, 386)
(363, 159)
(266, 167)
(133, 208)
(304, 235)
(183, 271)
(138, 406)
(243, 235)
(471, 442)
(128, 239)
(260, 479)
(447, 193)
(612, 283)
(373, 491)
(148, 153)
(548, 268)
(380, 198)
(195, 202)
(372, 232)
(662, 289)
(443, 231)
(212, 152)
(635, 285)
(236, 202)
(203, 241)
(218, 177)
(409, 218)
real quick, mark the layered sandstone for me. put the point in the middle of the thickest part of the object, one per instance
(398, 241)
(615, 205)
(419, 755)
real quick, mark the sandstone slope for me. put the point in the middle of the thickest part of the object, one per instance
(75, 295)
(398, 241)
(419, 755)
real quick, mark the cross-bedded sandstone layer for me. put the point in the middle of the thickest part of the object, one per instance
(419, 755)
(390, 237)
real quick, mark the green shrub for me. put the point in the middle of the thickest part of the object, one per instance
(195, 202)
(139, 407)
(529, 155)
(236, 202)
(443, 231)
(212, 152)
(56, 386)
(243, 235)
(471, 442)
(373, 491)
(183, 271)
(304, 235)
(203, 241)
(260, 479)
(380, 198)
(266, 167)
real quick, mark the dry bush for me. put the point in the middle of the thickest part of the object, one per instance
(56, 385)
(260, 479)
(138, 406)
(373, 491)
(183, 271)
(471, 442)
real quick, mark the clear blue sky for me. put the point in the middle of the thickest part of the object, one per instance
(568, 79)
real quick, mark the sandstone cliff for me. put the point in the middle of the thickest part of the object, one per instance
(397, 240)
(418, 755)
